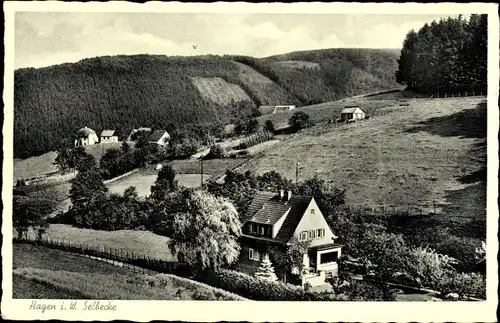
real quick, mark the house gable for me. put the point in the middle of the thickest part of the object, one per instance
(313, 220)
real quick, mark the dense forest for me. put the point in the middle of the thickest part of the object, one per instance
(126, 92)
(448, 56)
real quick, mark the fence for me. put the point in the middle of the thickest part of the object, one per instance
(119, 257)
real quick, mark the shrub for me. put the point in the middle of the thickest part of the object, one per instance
(216, 151)
(463, 284)
(259, 289)
(204, 295)
(299, 120)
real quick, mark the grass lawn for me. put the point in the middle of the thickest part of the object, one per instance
(41, 272)
(213, 167)
(44, 164)
(140, 242)
(432, 149)
(144, 179)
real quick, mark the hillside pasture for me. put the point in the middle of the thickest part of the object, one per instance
(432, 150)
(43, 273)
(299, 64)
(43, 165)
(324, 111)
(219, 91)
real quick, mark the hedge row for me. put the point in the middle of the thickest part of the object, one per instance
(259, 289)
(255, 139)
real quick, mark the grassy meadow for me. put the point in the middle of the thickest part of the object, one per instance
(139, 242)
(430, 150)
(44, 164)
(44, 273)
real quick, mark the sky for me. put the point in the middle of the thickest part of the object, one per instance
(49, 38)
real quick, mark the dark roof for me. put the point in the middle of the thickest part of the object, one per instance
(156, 135)
(85, 132)
(275, 209)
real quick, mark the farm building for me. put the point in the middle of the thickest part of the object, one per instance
(108, 136)
(283, 108)
(352, 113)
(273, 221)
(86, 136)
(135, 132)
(159, 137)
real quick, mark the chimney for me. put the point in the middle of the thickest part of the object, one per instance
(289, 195)
(282, 194)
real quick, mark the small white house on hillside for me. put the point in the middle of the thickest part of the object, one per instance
(283, 108)
(108, 136)
(352, 113)
(159, 137)
(86, 136)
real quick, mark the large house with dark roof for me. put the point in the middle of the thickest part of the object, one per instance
(273, 220)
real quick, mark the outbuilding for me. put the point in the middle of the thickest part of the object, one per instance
(352, 113)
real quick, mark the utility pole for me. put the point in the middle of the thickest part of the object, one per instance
(297, 173)
(201, 166)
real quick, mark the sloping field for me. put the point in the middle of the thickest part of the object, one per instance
(265, 90)
(219, 91)
(43, 273)
(430, 150)
(140, 242)
(324, 111)
(44, 164)
(299, 64)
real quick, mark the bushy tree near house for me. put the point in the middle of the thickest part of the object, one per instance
(216, 151)
(290, 257)
(205, 234)
(68, 157)
(165, 183)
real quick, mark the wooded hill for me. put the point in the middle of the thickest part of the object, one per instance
(125, 92)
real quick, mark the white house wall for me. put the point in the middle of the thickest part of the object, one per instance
(313, 222)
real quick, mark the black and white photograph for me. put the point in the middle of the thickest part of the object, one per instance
(246, 154)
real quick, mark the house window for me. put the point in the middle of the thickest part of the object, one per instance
(303, 236)
(320, 233)
(329, 257)
(253, 254)
(262, 230)
(313, 211)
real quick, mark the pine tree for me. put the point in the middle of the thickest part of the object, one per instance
(266, 270)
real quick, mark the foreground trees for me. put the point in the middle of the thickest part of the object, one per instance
(448, 56)
(30, 213)
(205, 233)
